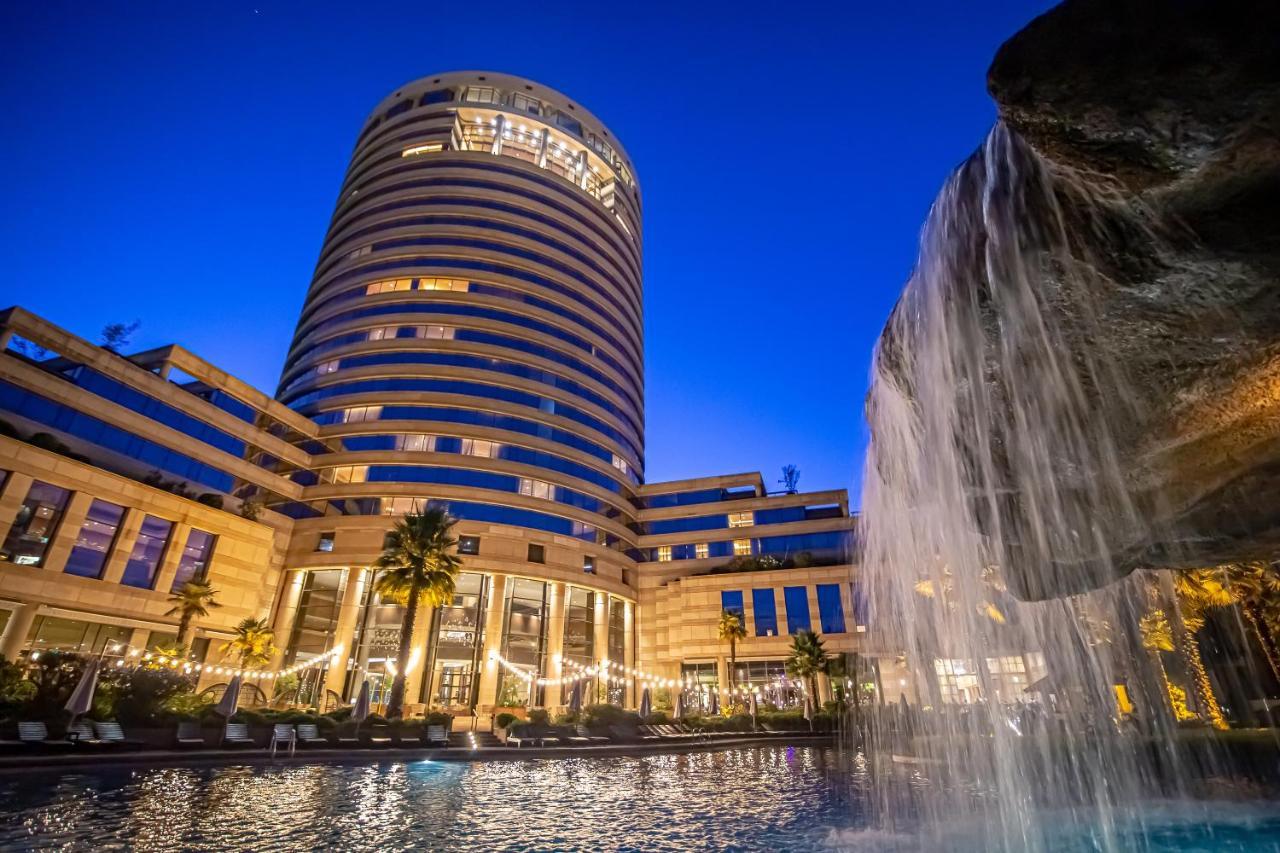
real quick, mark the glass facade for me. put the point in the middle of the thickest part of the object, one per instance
(194, 561)
(522, 643)
(731, 602)
(28, 538)
(765, 611)
(458, 641)
(72, 635)
(88, 556)
(796, 600)
(830, 608)
(314, 628)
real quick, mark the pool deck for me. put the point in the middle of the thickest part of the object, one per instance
(12, 764)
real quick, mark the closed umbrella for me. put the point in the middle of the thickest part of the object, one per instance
(575, 698)
(81, 700)
(230, 698)
(808, 709)
(361, 709)
(678, 711)
(755, 708)
(715, 703)
(645, 708)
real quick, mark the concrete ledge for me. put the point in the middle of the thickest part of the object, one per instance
(85, 760)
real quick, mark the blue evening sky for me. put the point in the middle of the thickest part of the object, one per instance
(176, 163)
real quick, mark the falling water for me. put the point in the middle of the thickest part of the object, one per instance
(998, 521)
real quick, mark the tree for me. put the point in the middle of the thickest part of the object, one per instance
(117, 336)
(790, 479)
(806, 659)
(194, 598)
(1157, 638)
(254, 643)
(418, 563)
(1256, 589)
(1198, 591)
(731, 630)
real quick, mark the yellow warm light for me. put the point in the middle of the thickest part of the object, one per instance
(425, 148)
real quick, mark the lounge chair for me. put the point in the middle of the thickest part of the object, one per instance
(189, 735)
(283, 734)
(378, 736)
(350, 738)
(585, 734)
(110, 733)
(237, 734)
(81, 734)
(37, 734)
(671, 731)
(519, 741)
(549, 740)
(625, 735)
(436, 736)
(309, 735)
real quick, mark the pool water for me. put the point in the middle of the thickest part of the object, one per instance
(761, 798)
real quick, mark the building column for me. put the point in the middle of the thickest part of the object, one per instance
(138, 639)
(417, 655)
(487, 694)
(345, 632)
(557, 599)
(16, 630)
(629, 650)
(11, 498)
(286, 613)
(126, 538)
(64, 538)
(722, 676)
(600, 637)
(172, 555)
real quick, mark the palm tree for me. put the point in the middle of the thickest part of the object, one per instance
(254, 643)
(1198, 591)
(1157, 638)
(806, 659)
(732, 630)
(1256, 587)
(417, 564)
(192, 599)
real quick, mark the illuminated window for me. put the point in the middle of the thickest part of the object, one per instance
(481, 447)
(348, 474)
(399, 506)
(742, 519)
(444, 284)
(382, 333)
(536, 488)
(416, 442)
(360, 414)
(325, 542)
(424, 148)
(327, 367)
(589, 564)
(482, 95)
(439, 333)
(742, 547)
(526, 104)
(360, 253)
(620, 463)
(469, 545)
(388, 286)
(664, 553)
(702, 550)
(957, 681)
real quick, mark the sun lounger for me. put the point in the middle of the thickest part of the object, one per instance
(309, 735)
(37, 734)
(237, 734)
(111, 734)
(81, 734)
(378, 736)
(283, 734)
(410, 738)
(189, 735)
(585, 734)
(437, 736)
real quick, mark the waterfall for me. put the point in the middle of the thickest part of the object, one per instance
(1003, 542)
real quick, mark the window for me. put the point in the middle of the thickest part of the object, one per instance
(742, 547)
(482, 95)
(424, 148)
(620, 463)
(194, 563)
(742, 519)
(830, 608)
(148, 549)
(469, 545)
(416, 443)
(536, 488)
(360, 414)
(89, 554)
(796, 599)
(37, 519)
(327, 367)
(526, 104)
(569, 123)
(537, 554)
(589, 564)
(443, 284)
(664, 553)
(325, 542)
(438, 96)
(731, 602)
(481, 447)
(347, 474)
(957, 680)
(391, 285)
(702, 550)
(766, 612)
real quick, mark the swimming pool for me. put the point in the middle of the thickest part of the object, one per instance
(760, 798)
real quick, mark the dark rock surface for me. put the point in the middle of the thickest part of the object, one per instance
(1178, 105)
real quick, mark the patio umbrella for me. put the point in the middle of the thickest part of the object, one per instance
(808, 709)
(645, 708)
(678, 711)
(230, 698)
(81, 700)
(755, 708)
(361, 709)
(715, 703)
(575, 698)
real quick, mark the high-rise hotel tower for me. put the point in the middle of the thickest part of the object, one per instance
(473, 337)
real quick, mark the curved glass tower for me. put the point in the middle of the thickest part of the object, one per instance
(472, 336)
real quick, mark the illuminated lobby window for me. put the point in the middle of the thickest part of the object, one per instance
(664, 553)
(742, 519)
(37, 519)
(147, 552)
(742, 547)
(89, 555)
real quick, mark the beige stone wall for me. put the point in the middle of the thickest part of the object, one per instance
(245, 567)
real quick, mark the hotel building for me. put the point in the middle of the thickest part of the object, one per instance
(472, 338)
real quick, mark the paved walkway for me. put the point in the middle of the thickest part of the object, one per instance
(86, 760)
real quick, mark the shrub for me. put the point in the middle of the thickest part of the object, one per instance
(340, 715)
(739, 723)
(375, 720)
(186, 706)
(539, 716)
(603, 716)
(140, 695)
(568, 718)
(657, 718)
(253, 718)
(212, 499)
(504, 720)
(440, 718)
(326, 724)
